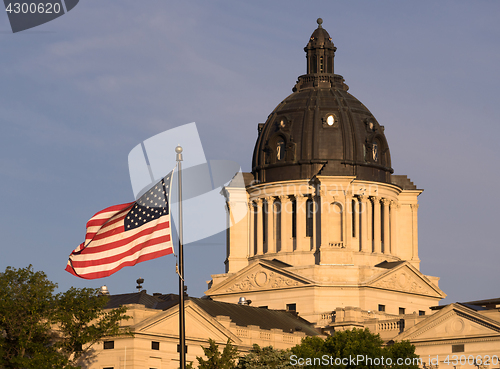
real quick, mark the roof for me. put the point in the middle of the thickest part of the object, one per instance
(389, 264)
(241, 315)
(476, 305)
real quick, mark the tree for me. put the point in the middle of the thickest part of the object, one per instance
(266, 357)
(216, 360)
(43, 330)
(355, 348)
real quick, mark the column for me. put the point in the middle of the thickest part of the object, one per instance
(394, 228)
(251, 228)
(348, 223)
(376, 225)
(258, 220)
(286, 222)
(363, 227)
(387, 246)
(414, 218)
(301, 222)
(271, 244)
(314, 235)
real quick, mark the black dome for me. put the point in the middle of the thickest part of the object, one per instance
(321, 129)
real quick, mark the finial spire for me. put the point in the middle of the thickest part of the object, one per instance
(320, 22)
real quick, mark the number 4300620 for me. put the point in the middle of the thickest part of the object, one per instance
(33, 8)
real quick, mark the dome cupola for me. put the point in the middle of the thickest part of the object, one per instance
(321, 129)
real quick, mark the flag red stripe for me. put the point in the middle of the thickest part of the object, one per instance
(114, 258)
(107, 273)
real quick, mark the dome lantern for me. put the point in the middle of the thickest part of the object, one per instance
(320, 51)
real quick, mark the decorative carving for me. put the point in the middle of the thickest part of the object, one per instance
(385, 201)
(414, 206)
(340, 245)
(262, 280)
(402, 281)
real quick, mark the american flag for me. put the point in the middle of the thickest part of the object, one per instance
(126, 234)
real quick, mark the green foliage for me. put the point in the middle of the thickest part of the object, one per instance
(346, 346)
(402, 349)
(266, 357)
(43, 330)
(217, 360)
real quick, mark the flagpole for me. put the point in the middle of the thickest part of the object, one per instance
(182, 323)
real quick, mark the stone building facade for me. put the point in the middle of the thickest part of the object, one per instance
(330, 234)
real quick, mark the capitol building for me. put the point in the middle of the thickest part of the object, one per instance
(329, 242)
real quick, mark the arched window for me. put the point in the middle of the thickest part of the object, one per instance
(382, 221)
(336, 229)
(280, 150)
(329, 65)
(321, 65)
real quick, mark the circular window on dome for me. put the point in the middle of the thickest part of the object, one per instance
(330, 120)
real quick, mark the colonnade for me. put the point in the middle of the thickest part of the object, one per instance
(359, 223)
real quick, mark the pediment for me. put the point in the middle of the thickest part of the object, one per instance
(199, 324)
(259, 276)
(406, 278)
(452, 322)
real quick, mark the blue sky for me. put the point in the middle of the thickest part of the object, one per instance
(78, 93)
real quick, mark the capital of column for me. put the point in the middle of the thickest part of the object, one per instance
(284, 198)
(414, 206)
(385, 201)
(301, 198)
(374, 199)
(394, 204)
(363, 198)
(258, 201)
(269, 199)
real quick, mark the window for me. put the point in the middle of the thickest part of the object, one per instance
(401, 311)
(421, 312)
(179, 348)
(155, 345)
(277, 222)
(309, 218)
(263, 307)
(321, 65)
(458, 348)
(108, 367)
(280, 150)
(291, 307)
(109, 345)
(381, 308)
(294, 218)
(382, 221)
